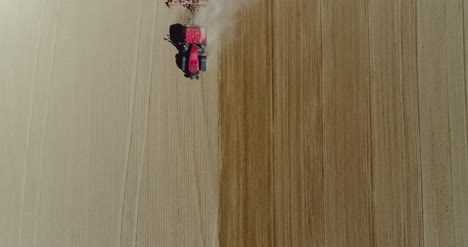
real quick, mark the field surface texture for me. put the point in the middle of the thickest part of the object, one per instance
(319, 123)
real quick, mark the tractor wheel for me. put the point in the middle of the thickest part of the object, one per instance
(203, 61)
(184, 64)
(201, 49)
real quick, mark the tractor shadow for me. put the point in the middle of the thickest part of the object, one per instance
(176, 37)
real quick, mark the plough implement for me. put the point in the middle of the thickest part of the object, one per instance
(192, 5)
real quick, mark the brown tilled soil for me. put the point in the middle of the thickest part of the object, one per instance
(343, 123)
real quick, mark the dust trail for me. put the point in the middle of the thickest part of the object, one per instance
(219, 17)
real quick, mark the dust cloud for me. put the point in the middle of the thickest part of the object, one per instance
(219, 17)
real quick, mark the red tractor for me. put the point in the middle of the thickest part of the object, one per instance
(190, 40)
